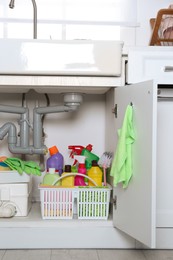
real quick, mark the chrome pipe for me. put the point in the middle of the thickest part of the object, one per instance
(11, 5)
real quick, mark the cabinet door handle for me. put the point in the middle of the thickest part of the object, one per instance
(168, 69)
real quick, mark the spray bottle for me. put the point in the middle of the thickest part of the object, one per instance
(89, 158)
(85, 151)
(79, 180)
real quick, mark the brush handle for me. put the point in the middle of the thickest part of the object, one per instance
(104, 172)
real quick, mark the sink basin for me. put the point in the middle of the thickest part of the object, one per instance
(49, 57)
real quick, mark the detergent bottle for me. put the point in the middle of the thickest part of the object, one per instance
(51, 177)
(55, 160)
(79, 180)
(67, 181)
(95, 173)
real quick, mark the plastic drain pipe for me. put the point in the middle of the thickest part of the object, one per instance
(10, 129)
(38, 113)
(71, 101)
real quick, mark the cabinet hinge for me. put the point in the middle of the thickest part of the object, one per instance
(115, 202)
(115, 110)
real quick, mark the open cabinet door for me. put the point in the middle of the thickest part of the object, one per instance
(135, 209)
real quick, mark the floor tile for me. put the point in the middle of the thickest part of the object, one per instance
(121, 255)
(158, 254)
(2, 252)
(75, 254)
(27, 255)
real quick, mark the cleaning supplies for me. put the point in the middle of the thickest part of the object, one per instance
(79, 180)
(3, 166)
(95, 173)
(77, 150)
(85, 151)
(67, 181)
(121, 169)
(50, 177)
(105, 162)
(21, 166)
(56, 160)
(89, 158)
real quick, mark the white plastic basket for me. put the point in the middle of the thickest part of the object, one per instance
(59, 203)
(93, 203)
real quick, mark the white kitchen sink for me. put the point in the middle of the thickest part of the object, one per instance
(49, 57)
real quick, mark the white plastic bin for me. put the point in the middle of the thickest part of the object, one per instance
(16, 189)
(59, 202)
(93, 203)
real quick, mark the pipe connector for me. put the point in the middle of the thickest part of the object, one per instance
(10, 129)
(73, 100)
(27, 150)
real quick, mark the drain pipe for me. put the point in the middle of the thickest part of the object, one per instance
(23, 122)
(71, 102)
(10, 129)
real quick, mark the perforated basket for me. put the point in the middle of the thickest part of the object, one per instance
(57, 203)
(93, 203)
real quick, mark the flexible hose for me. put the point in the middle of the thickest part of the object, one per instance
(7, 210)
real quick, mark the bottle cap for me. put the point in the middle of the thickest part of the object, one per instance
(53, 150)
(67, 168)
(94, 163)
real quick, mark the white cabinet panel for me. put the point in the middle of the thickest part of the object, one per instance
(151, 62)
(165, 161)
(135, 212)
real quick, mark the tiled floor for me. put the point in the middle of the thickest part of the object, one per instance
(87, 254)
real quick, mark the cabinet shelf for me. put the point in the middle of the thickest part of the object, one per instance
(34, 219)
(34, 232)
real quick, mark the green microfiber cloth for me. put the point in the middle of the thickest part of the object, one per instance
(33, 168)
(121, 169)
(28, 167)
(15, 164)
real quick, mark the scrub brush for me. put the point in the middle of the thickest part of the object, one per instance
(105, 162)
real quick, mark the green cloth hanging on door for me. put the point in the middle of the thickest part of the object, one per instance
(121, 169)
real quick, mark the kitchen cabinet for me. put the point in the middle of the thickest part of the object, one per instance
(135, 215)
(104, 235)
(65, 233)
(144, 210)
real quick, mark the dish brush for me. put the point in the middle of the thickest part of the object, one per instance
(105, 162)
